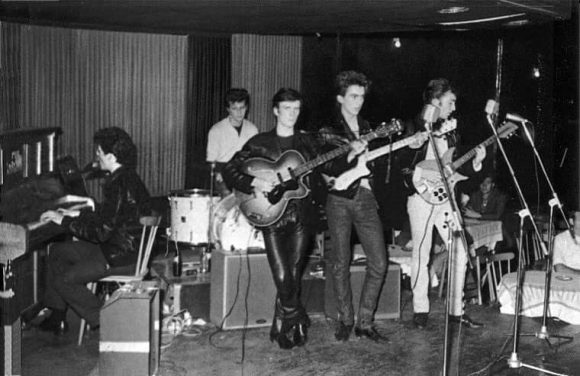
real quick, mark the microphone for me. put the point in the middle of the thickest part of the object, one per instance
(516, 118)
(430, 113)
(491, 107)
(90, 167)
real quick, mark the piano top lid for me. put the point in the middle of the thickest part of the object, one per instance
(26, 134)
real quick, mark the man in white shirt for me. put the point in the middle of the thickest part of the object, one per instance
(566, 254)
(227, 136)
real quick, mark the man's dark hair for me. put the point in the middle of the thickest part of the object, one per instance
(348, 78)
(116, 141)
(286, 94)
(436, 89)
(235, 95)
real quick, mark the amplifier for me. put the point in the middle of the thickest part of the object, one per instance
(389, 304)
(242, 289)
(130, 336)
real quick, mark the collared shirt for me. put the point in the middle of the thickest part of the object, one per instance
(224, 140)
(566, 251)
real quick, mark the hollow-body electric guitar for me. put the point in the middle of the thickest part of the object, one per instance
(427, 179)
(264, 209)
(344, 180)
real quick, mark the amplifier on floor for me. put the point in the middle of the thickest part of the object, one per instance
(130, 337)
(240, 282)
(389, 305)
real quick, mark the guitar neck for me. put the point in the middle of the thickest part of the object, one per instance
(470, 154)
(378, 152)
(312, 164)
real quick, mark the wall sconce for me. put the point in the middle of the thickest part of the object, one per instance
(536, 72)
(397, 42)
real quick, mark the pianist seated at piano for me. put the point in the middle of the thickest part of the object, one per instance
(105, 238)
(566, 254)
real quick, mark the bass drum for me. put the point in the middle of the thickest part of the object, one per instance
(232, 230)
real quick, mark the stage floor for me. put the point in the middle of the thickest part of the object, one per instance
(205, 351)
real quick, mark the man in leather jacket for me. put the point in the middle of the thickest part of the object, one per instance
(287, 239)
(107, 237)
(356, 206)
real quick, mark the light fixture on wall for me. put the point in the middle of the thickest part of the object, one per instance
(397, 42)
(536, 72)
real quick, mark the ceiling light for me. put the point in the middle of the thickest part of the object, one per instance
(517, 23)
(453, 10)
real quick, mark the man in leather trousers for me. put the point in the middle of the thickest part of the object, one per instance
(107, 237)
(286, 240)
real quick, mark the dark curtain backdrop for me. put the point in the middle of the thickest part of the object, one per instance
(9, 76)
(209, 77)
(468, 59)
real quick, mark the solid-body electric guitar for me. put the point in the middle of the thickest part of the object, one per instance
(427, 179)
(264, 209)
(344, 180)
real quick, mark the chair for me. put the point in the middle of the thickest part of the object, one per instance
(122, 275)
(497, 265)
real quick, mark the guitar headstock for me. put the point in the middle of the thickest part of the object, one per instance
(507, 130)
(390, 128)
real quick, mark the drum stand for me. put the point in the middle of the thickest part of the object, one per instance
(206, 252)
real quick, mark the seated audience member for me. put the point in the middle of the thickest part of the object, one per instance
(488, 203)
(107, 237)
(566, 254)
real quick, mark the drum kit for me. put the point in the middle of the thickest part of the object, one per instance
(199, 217)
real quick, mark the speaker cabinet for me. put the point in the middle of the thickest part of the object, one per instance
(241, 282)
(129, 336)
(389, 304)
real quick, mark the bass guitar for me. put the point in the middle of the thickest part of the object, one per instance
(344, 180)
(427, 179)
(264, 209)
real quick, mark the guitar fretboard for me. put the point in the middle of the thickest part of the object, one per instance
(312, 164)
(504, 131)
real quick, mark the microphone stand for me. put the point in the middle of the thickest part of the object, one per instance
(456, 220)
(554, 202)
(514, 360)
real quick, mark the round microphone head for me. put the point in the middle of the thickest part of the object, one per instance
(430, 113)
(491, 107)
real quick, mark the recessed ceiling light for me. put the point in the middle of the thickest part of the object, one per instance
(517, 23)
(453, 10)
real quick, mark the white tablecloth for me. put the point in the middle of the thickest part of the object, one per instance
(564, 295)
(484, 233)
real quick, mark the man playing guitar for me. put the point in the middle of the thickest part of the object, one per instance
(287, 236)
(425, 215)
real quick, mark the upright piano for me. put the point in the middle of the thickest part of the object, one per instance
(31, 181)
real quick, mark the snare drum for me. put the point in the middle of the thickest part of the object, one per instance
(190, 210)
(232, 230)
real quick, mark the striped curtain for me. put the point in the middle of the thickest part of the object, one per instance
(9, 76)
(208, 81)
(262, 65)
(83, 80)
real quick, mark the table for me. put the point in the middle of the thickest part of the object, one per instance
(484, 234)
(564, 295)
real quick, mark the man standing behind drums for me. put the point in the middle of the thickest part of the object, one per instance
(287, 239)
(227, 136)
(424, 215)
